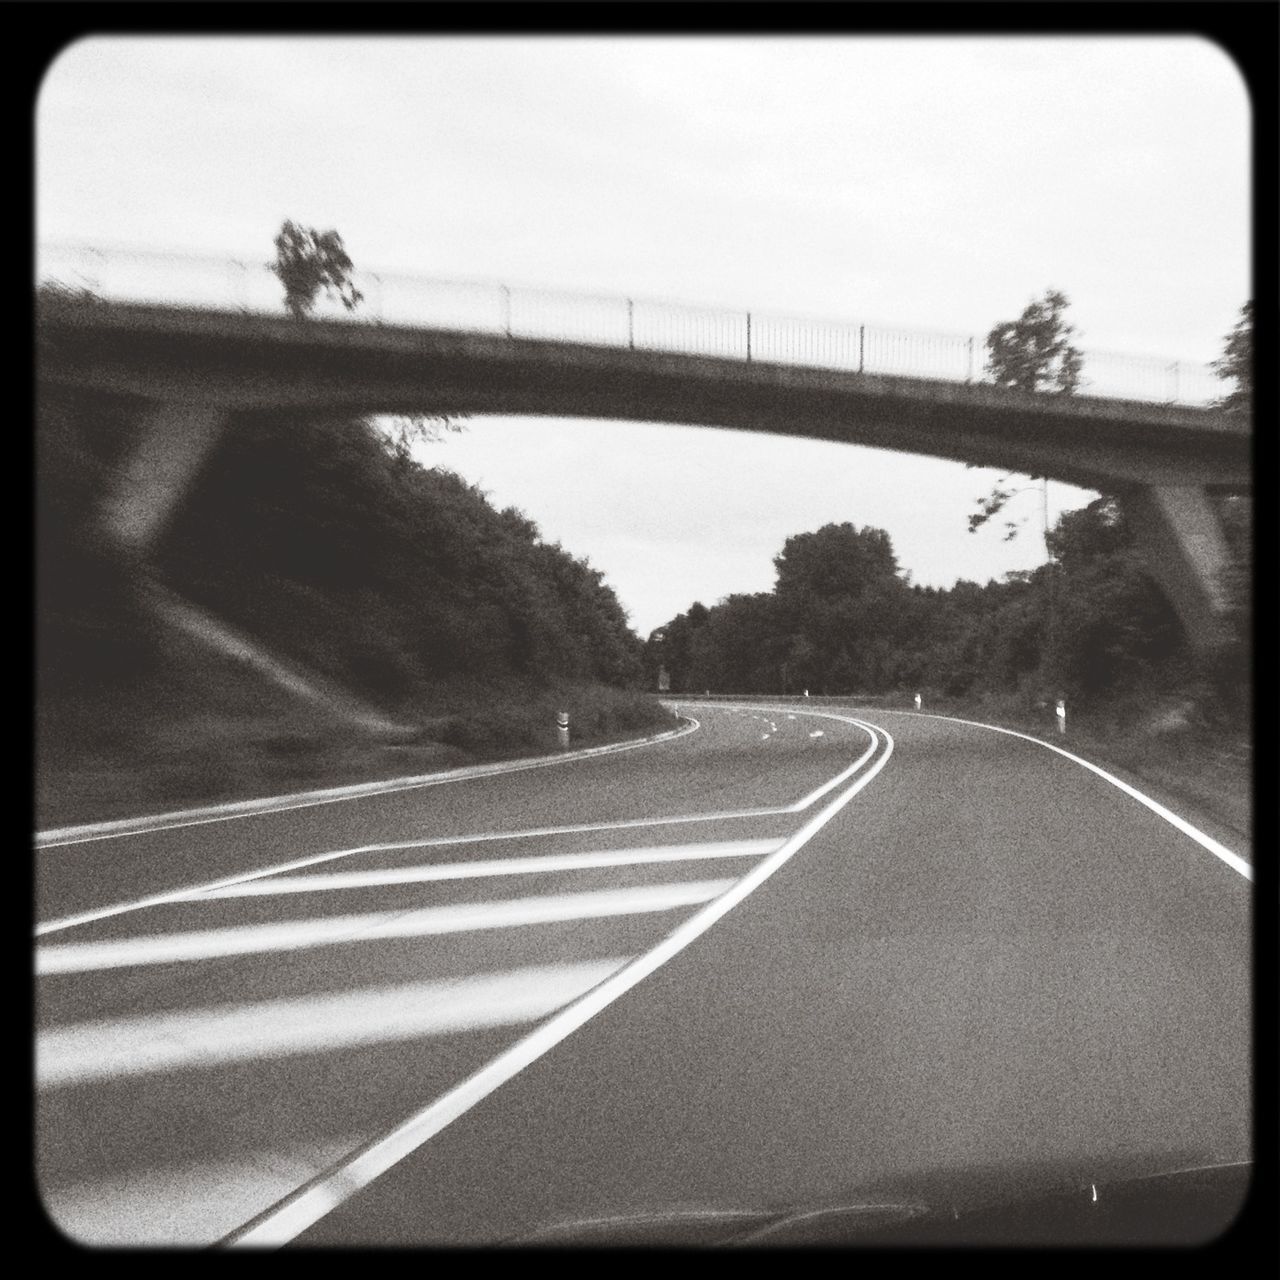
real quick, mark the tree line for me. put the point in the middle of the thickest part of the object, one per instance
(843, 618)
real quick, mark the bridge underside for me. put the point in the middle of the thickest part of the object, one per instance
(186, 371)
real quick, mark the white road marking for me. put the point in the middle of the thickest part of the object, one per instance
(306, 799)
(492, 867)
(188, 1205)
(312, 1201)
(186, 891)
(276, 1028)
(462, 917)
(1220, 851)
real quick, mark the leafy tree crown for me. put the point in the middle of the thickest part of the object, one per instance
(1236, 364)
(307, 261)
(1034, 352)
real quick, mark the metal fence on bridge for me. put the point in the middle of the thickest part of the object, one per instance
(130, 275)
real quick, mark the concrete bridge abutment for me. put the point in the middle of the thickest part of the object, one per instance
(1180, 534)
(174, 439)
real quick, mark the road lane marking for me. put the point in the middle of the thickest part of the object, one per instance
(492, 867)
(188, 1205)
(191, 892)
(313, 1200)
(1220, 851)
(207, 1037)
(183, 893)
(297, 935)
(87, 832)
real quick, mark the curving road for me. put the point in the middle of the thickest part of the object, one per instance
(792, 957)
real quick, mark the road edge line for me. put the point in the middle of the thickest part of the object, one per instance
(60, 837)
(1219, 851)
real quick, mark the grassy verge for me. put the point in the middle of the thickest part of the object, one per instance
(1169, 743)
(209, 732)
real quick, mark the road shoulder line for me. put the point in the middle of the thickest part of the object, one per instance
(86, 832)
(1220, 851)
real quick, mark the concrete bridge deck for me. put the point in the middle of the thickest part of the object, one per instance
(250, 362)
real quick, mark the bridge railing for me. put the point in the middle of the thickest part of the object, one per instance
(130, 275)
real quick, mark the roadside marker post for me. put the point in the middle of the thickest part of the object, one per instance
(917, 702)
(562, 727)
(1061, 712)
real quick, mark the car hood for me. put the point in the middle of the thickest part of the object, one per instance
(1183, 1206)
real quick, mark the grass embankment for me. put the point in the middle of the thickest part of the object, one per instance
(208, 731)
(1168, 743)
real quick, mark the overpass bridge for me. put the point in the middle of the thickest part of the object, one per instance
(494, 350)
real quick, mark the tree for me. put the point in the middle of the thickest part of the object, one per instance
(738, 649)
(1236, 365)
(672, 646)
(835, 561)
(400, 432)
(1081, 538)
(843, 605)
(996, 501)
(307, 261)
(1034, 352)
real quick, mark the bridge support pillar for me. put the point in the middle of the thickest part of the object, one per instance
(1181, 536)
(174, 439)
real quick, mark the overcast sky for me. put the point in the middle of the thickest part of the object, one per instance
(935, 183)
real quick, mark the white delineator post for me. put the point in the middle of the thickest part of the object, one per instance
(1061, 712)
(917, 702)
(562, 727)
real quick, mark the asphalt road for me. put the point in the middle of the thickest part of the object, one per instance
(786, 959)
